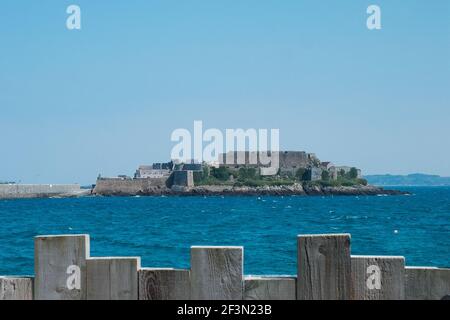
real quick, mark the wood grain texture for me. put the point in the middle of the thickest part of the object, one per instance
(269, 288)
(113, 278)
(427, 283)
(14, 288)
(217, 273)
(164, 284)
(391, 275)
(324, 267)
(53, 255)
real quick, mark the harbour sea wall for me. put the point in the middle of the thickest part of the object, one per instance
(326, 270)
(12, 191)
(130, 187)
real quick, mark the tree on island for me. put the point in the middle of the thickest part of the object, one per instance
(220, 173)
(353, 173)
(325, 175)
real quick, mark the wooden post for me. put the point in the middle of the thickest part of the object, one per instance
(113, 278)
(164, 284)
(15, 288)
(427, 283)
(217, 273)
(378, 277)
(269, 288)
(324, 267)
(60, 267)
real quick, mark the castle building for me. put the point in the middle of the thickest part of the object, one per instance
(157, 170)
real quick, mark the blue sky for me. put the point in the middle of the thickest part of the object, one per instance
(106, 98)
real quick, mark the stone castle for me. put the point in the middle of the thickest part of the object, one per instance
(174, 174)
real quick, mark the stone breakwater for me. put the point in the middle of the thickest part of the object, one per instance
(211, 190)
(25, 191)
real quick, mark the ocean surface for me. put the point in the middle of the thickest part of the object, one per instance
(162, 229)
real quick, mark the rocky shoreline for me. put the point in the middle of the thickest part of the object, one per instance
(296, 189)
(217, 190)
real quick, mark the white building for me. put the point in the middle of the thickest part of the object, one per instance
(144, 172)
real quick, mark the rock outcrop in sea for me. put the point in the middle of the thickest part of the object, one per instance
(284, 190)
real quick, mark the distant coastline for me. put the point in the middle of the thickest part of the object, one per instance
(411, 180)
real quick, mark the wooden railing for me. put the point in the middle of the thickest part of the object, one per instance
(64, 270)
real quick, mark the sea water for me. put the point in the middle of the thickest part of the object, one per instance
(162, 229)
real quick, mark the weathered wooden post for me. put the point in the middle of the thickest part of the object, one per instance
(217, 273)
(324, 267)
(427, 283)
(378, 277)
(164, 284)
(113, 278)
(16, 288)
(60, 267)
(269, 288)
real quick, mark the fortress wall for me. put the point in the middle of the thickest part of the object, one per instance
(289, 159)
(183, 178)
(64, 270)
(128, 187)
(36, 190)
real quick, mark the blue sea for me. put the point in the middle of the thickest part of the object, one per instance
(162, 229)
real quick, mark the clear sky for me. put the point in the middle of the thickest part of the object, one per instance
(106, 98)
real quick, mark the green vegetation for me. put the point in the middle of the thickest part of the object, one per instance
(221, 173)
(247, 173)
(325, 175)
(339, 182)
(353, 174)
(200, 177)
(263, 181)
(212, 181)
(213, 176)
(350, 175)
(249, 176)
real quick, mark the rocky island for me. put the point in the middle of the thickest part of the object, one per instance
(298, 173)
